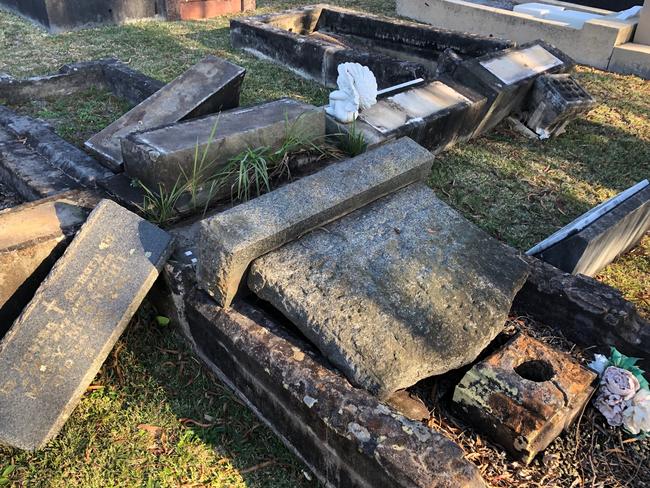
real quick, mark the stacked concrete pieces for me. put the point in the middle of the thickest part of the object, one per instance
(523, 396)
(32, 237)
(163, 154)
(208, 87)
(506, 77)
(231, 240)
(395, 292)
(56, 346)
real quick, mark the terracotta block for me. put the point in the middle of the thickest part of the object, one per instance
(524, 395)
(204, 9)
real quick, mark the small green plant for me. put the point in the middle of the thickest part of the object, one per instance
(160, 206)
(352, 141)
(5, 475)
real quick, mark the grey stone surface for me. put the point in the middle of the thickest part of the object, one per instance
(229, 241)
(395, 292)
(598, 244)
(54, 349)
(211, 85)
(162, 154)
(32, 237)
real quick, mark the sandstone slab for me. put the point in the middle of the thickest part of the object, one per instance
(162, 155)
(231, 240)
(400, 290)
(211, 85)
(54, 349)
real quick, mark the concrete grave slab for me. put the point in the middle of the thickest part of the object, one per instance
(54, 349)
(397, 291)
(211, 85)
(523, 396)
(231, 240)
(588, 249)
(32, 237)
(161, 155)
(506, 77)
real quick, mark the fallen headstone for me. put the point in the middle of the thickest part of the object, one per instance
(230, 240)
(397, 291)
(162, 155)
(32, 237)
(211, 85)
(524, 395)
(596, 238)
(54, 349)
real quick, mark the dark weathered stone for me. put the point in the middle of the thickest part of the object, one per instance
(162, 155)
(343, 434)
(594, 247)
(554, 101)
(506, 77)
(586, 311)
(58, 153)
(230, 240)
(124, 191)
(54, 349)
(32, 237)
(211, 85)
(127, 83)
(409, 405)
(65, 15)
(434, 115)
(314, 40)
(395, 292)
(30, 174)
(523, 396)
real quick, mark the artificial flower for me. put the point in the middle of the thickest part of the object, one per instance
(599, 364)
(636, 417)
(620, 382)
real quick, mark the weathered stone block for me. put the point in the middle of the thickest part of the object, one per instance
(211, 85)
(523, 396)
(229, 241)
(584, 310)
(594, 247)
(395, 292)
(162, 155)
(54, 349)
(204, 9)
(506, 77)
(343, 434)
(32, 237)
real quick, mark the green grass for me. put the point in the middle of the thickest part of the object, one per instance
(518, 190)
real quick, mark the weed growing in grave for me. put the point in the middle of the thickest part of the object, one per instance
(160, 207)
(352, 141)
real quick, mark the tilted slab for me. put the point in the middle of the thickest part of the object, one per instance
(229, 241)
(54, 349)
(32, 237)
(211, 85)
(400, 290)
(162, 155)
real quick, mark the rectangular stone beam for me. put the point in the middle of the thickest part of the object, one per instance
(162, 155)
(54, 349)
(211, 85)
(32, 237)
(231, 240)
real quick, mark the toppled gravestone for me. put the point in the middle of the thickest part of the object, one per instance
(54, 349)
(211, 85)
(231, 240)
(397, 291)
(32, 237)
(163, 154)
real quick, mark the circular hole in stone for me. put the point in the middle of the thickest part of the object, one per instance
(535, 370)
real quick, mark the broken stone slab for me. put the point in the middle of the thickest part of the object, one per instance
(231, 240)
(588, 249)
(211, 85)
(32, 237)
(54, 349)
(524, 395)
(586, 311)
(162, 155)
(397, 291)
(59, 153)
(347, 437)
(30, 174)
(506, 77)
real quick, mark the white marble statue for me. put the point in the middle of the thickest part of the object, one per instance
(357, 91)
